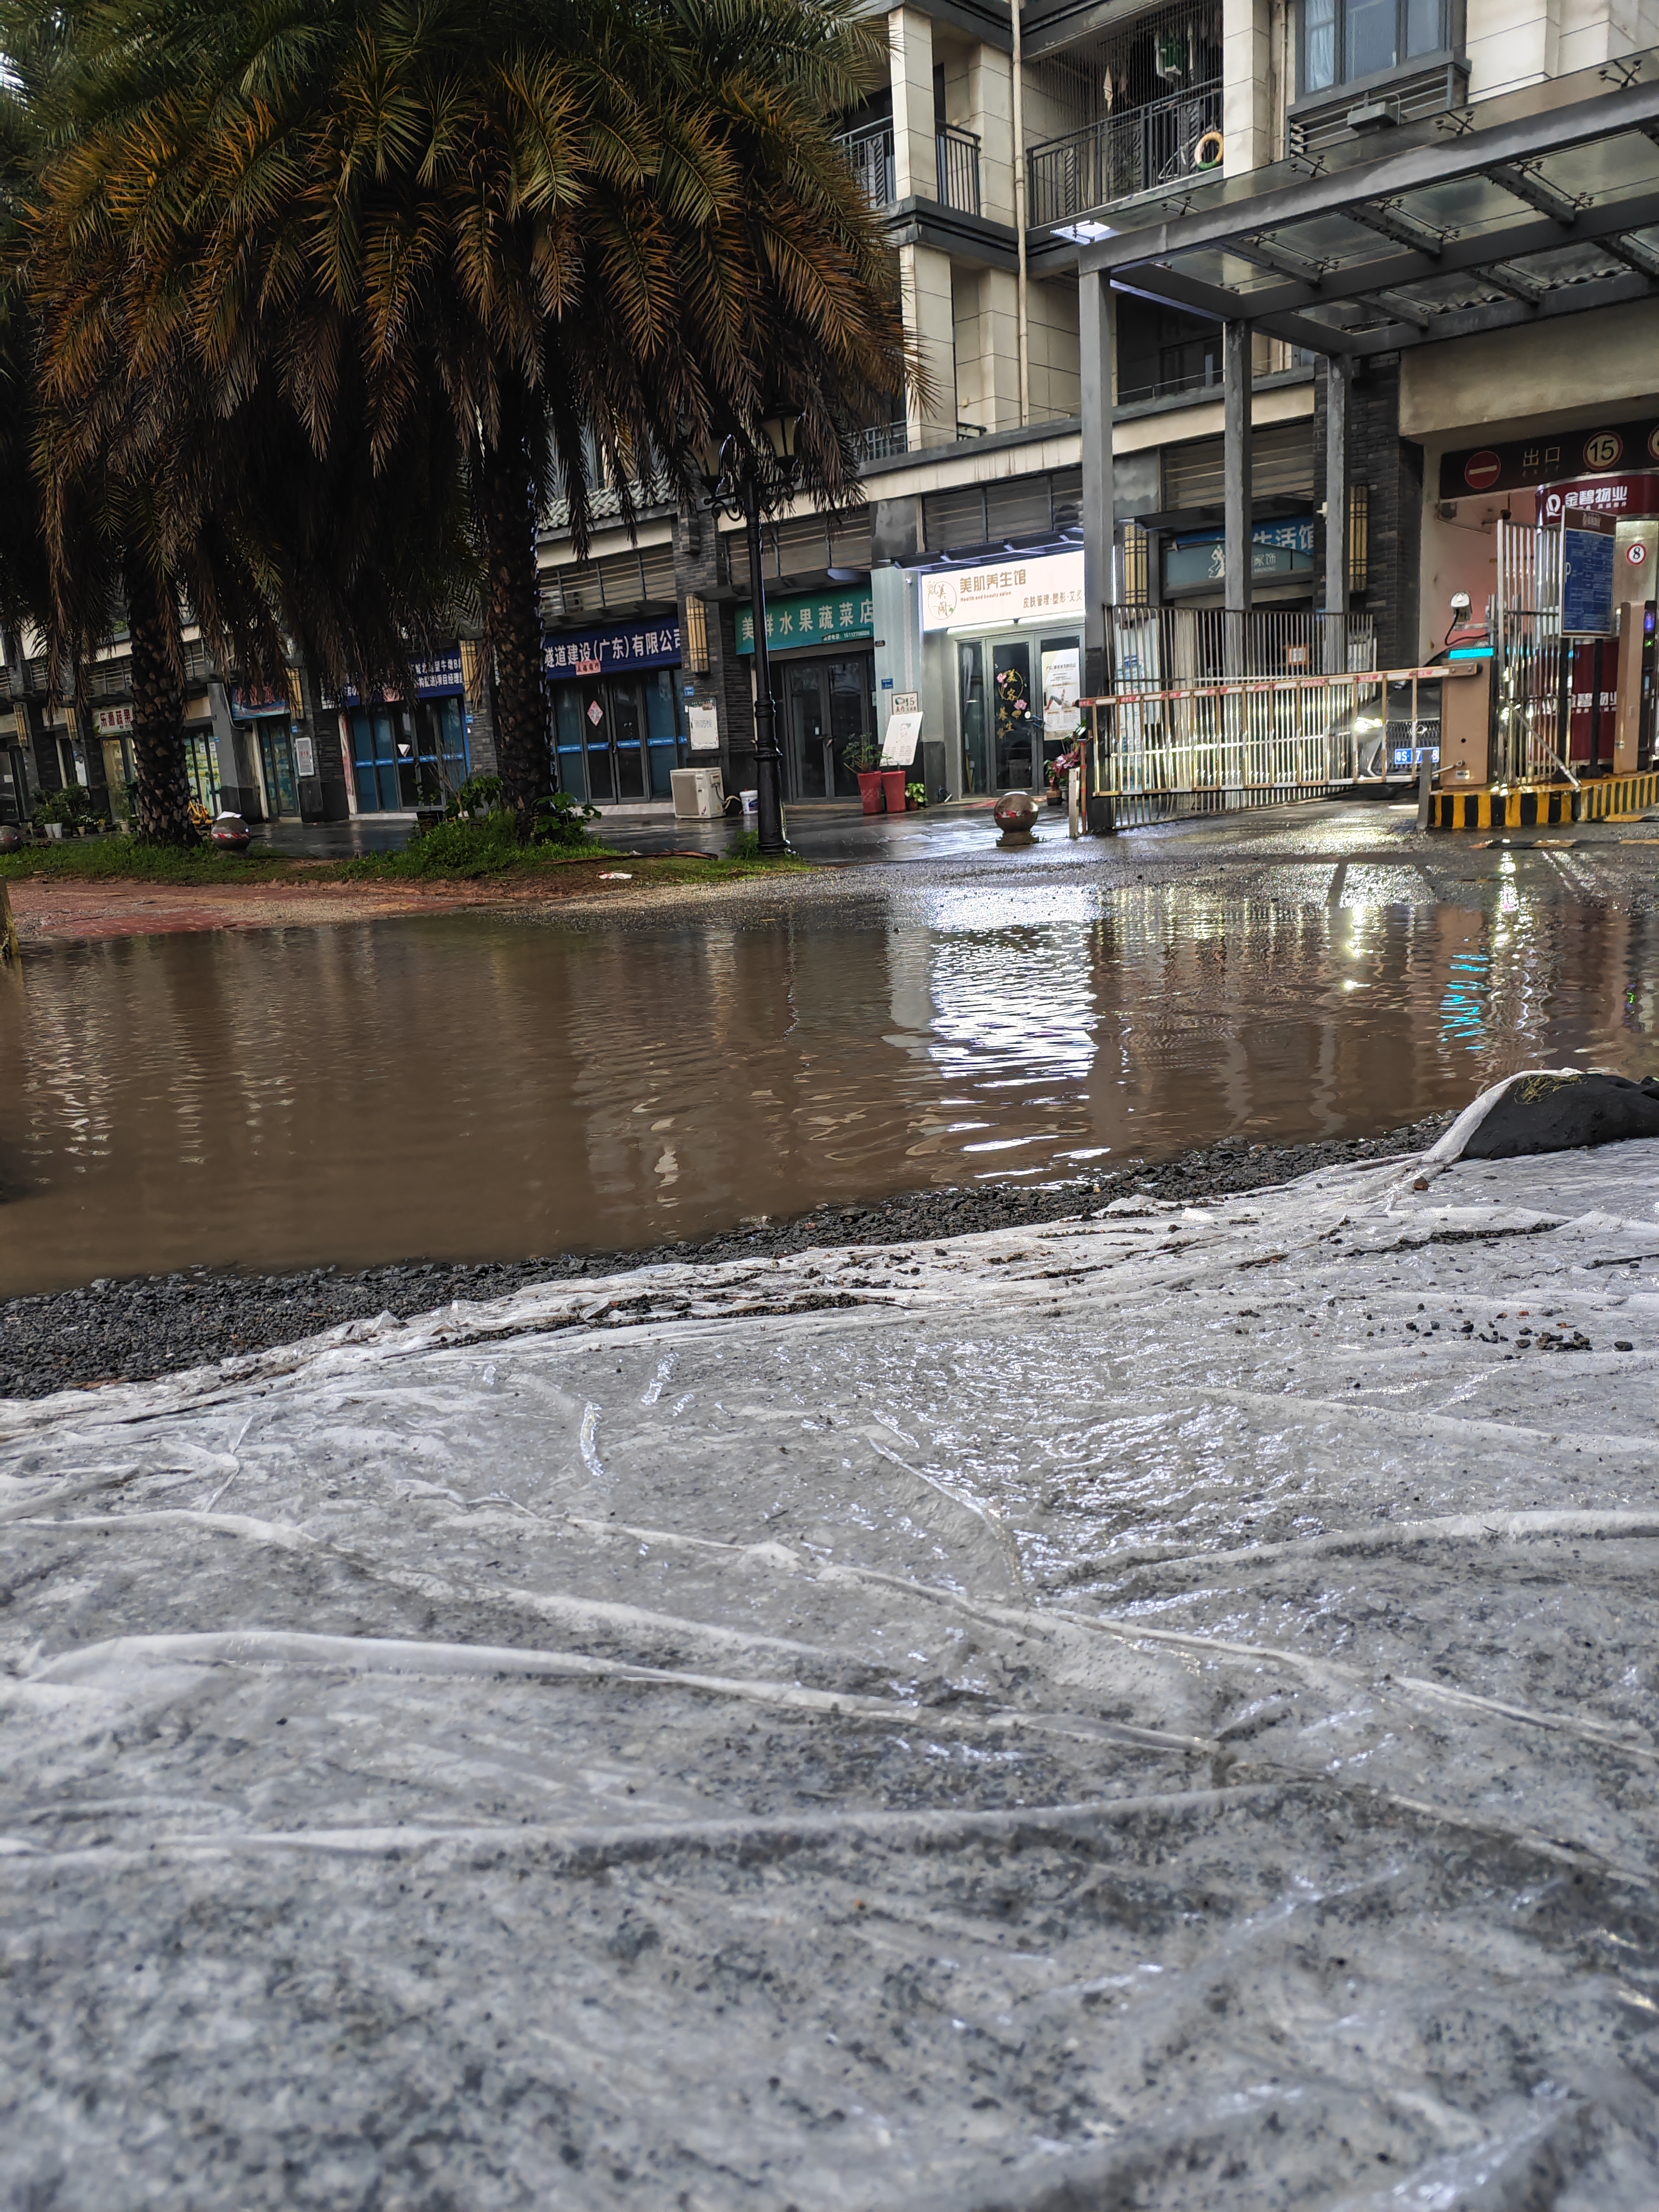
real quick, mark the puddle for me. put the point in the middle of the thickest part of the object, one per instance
(464, 1086)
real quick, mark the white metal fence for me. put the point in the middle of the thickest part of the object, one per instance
(1158, 648)
(1525, 617)
(1257, 741)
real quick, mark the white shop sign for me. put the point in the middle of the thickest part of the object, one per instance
(1045, 590)
(703, 729)
(112, 721)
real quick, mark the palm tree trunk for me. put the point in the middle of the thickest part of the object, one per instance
(160, 811)
(514, 623)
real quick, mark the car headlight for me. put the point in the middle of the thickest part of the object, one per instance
(1368, 722)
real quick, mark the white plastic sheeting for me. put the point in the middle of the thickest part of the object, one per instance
(1155, 1711)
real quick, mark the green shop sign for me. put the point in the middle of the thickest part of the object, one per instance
(822, 618)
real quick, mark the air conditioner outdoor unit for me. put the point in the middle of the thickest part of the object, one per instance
(699, 795)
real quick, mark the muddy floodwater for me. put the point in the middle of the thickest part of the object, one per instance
(475, 1087)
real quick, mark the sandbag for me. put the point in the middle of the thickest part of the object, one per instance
(1551, 1110)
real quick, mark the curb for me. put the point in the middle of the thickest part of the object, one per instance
(1528, 807)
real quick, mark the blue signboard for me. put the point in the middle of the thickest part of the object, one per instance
(613, 652)
(1277, 548)
(440, 678)
(249, 702)
(1587, 579)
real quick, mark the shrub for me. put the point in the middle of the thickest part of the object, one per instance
(561, 820)
(72, 806)
(478, 794)
(463, 848)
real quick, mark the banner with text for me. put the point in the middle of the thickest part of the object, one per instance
(820, 619)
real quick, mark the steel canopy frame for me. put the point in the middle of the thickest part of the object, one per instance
(1617, 100)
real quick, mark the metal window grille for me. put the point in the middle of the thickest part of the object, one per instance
(1360, 536)
(1137, 569)
(695, 640)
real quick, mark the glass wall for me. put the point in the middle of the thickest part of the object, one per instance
(1017, 695)
(615, 739)
(404, 756)
(826, 706)
(281, 785)
(202, 770)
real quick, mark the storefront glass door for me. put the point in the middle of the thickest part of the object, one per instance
(276, 763)
(975, 718)
(826, 706)
(374, 760)
(1061, 664)
(615, 740)
(807, 724)
(1016, 722)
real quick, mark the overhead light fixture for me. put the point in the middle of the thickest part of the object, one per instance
(1084, 234)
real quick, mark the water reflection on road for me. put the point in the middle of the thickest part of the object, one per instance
(469, 1086)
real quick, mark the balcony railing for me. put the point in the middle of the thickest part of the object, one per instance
(1140, 149)
(882, 440)
(869, 154)
(958, 170)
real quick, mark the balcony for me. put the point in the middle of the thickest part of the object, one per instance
(869, 154)
(1155, 147)
(958, 158)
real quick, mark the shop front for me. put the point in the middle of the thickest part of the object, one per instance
(1501, 512)
(616, 720)
(264, 721)
(113, 727)
(1195, 564)
(824, 680)
(410, 753)
(1016, 633)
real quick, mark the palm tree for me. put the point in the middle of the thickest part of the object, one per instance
(566, 227)
(162, 483)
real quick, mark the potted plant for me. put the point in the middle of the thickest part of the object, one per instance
(916, 795)
(70, 809)
(893, 781)
(862, 758)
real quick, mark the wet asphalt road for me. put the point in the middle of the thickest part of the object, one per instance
(1329, 851)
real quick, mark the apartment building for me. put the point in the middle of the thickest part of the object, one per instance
(1297, 305)
(1262, 304)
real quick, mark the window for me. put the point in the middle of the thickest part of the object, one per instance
(1343, 40)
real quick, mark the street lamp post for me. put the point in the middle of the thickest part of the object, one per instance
(736, 488)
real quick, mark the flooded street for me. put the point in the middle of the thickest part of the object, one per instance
(476, 1085)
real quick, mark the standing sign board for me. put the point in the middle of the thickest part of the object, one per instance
(1589, 545)
(898, 748)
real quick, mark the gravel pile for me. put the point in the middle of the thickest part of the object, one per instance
(130, 1331)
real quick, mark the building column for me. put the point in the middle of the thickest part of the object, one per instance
(1235, 464)
(928, 306)
(1247, 88)
(1097, 349)
(239, 785)
(322, 796)
(915, 138)
(1336, 514)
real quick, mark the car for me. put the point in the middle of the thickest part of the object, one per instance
(1378, 740)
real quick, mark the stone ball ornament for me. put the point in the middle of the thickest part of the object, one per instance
(230, 833)
(1015, 814)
